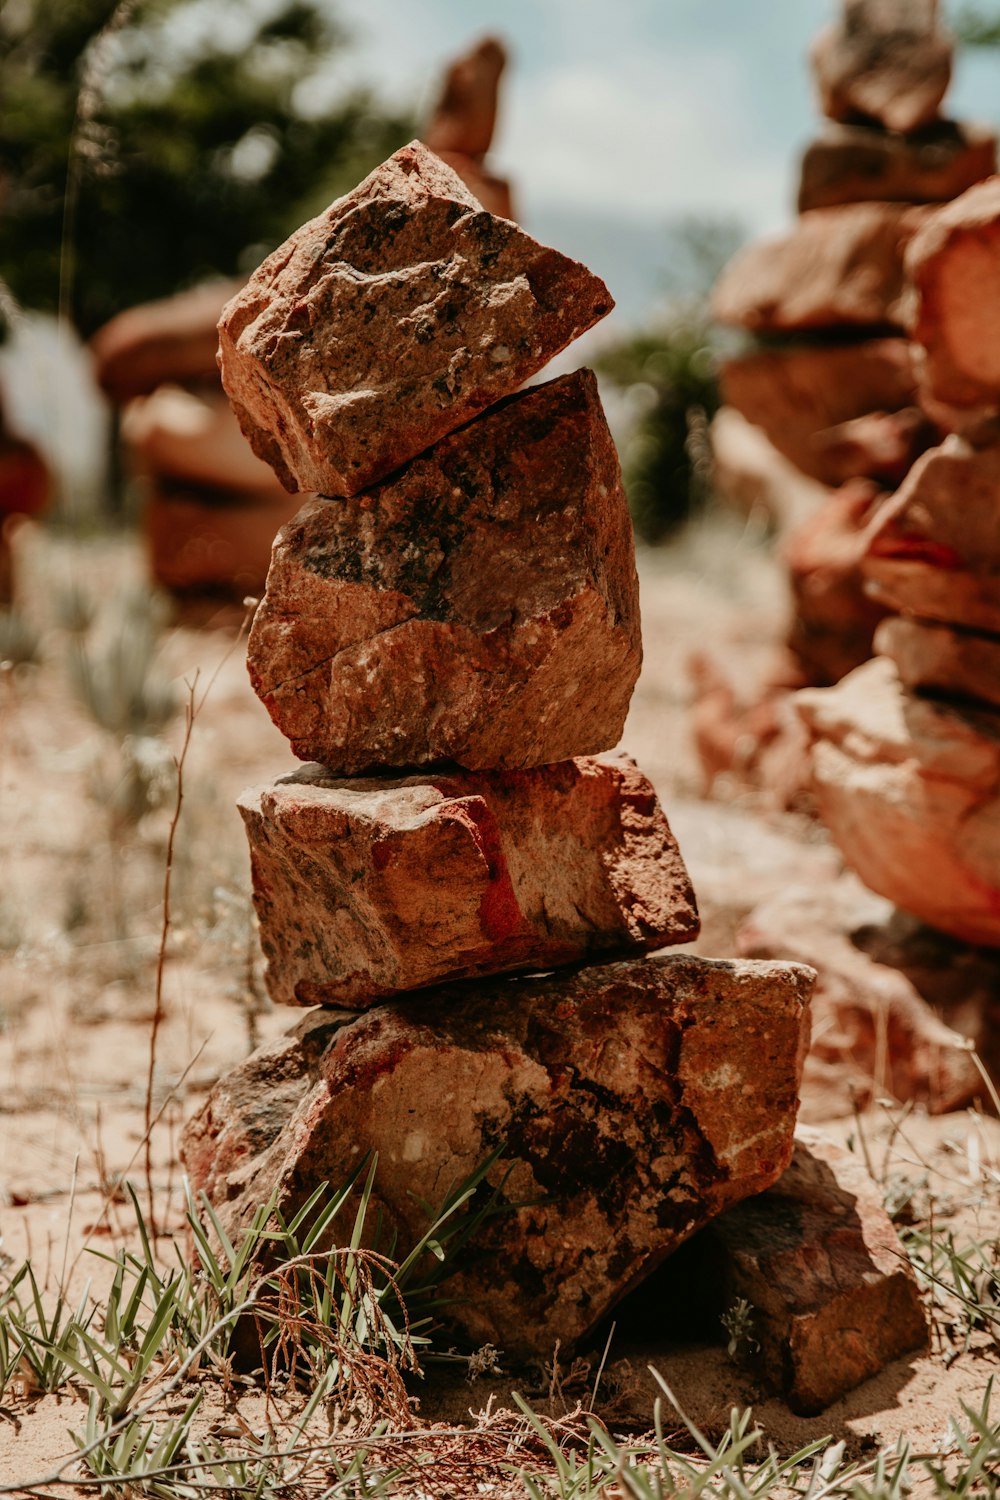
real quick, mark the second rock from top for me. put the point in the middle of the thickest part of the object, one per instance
(480, 606)
(392, 318)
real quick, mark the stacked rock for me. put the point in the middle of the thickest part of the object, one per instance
(832, 382)
(907, 749)
(466, 886)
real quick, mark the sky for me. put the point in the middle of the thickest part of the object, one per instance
(621, 116)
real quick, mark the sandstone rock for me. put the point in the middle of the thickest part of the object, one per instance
(366, 889)
(389, 320)
(749, 472)
(882, 445)
(834, 620)
(838, 267)
(493, 192)
(634, 1101)
(885, 60)
(193, 436)
(833, 1299)
(745, 728)
(934, 549)
(947, 662)
(175, 340)
(855, 163)
(796, 392)
(481, 606)
(954, 264)
(910, 792)
(211, 542)
(895, 1004)
(464, 116)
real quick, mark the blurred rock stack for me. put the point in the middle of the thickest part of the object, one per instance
(906, 752)
(464, 883)
(831, 380)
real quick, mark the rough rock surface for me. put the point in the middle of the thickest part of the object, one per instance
(797, 392)
(947, 662)
(389, 320)
(366, 889)
(834, 620)
(837, 267)
(895, 1004)
(882, 445)
(884, 60)
(634, 1101)
(855, 163)
(910, 792)
(481, 606)
(954, 265)
(934, 548)
(833, 1299)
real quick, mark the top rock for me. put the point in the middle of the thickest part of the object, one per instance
(389, 320)
(885, 60)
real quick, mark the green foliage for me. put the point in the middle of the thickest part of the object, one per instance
(144, 162)
(667, 373)
(975, 28)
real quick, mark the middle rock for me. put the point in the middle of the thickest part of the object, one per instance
(480, 606)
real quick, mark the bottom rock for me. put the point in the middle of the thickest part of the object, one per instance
(634, 1101)
(831, 1296)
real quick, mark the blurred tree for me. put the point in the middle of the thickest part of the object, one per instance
(148, 144)
(667, 373)
(976, 28)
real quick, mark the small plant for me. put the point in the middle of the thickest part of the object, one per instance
(737, 1320)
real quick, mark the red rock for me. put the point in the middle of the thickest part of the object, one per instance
(211, 543)
(832, 1297)
(837, 267)
(464, 116)
(172, 340)
(855, 163)
(834, 620)
(481, 606)
(749, 472)
(366, 889)
(794, 393)
(634, 1101)
(194, 436)
(894, 1002)
(882, 445)
(389, 320)
(954, 265)
(493, 192)
(938, 658)
(934, 549)
(884, 60)
(746, 730)
(910, 792)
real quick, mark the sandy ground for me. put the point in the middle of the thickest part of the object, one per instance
(80, 922)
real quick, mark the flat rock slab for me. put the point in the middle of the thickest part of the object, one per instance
(832, 1297)
(858, 163)
(834, 619)
(895, 1004)
(836, 268)
(366, 889)
(389, 320)
(910, 792)
(634, 1100)
(954, 265)
(797, 392)
(482, 606)
(934, 548)
(881, 445)
(944, 661)
(884, 60)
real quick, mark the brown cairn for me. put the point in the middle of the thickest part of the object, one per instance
(832, 382)
(906, 753)
(452, 631)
